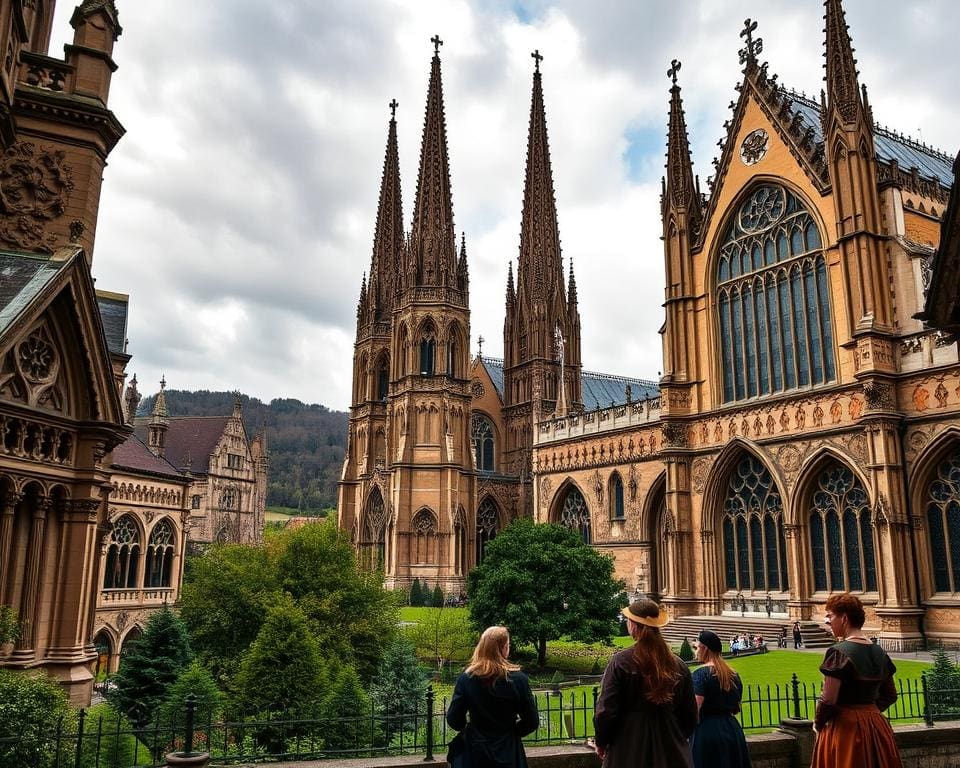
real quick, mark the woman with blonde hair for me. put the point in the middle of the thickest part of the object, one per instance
(718, 741)
(502, 710)
(646, 712)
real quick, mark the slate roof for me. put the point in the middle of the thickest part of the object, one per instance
(189, 439)
(908, 154)
(113, 313)
(22, 278)
(600, 390)
(133, 454)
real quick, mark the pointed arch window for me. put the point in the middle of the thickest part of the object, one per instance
(841, 533)
(159, 565)
(752, 525)
(773, 304)
(460, 542)
(383, 379)
(617, 508)
(373, 536)
(575, 514)
(428, 351)
(943, 518)
(424, 528)
(452, 356)
(123, 555)
(488, 525)
(481, 429)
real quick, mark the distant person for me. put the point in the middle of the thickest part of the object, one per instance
(857, 687)
(797, 636)
(782, 638)
(646, 712)
(718, 741)
(497, 696)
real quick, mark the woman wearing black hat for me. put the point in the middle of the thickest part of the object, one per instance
(718, 741)
(646, 711)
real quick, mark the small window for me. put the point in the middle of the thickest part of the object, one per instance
(616, 498)
(234, 461)
(428, 348)
(195, 501)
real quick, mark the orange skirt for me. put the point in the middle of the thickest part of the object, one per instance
(858, 737)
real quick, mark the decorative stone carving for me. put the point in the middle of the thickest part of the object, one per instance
(545, 487)
(699, 472)
(789, 458)
(881, 512)
(675, 434)
(598, 487)
(857, 445)
(880, 396)
(754, 147)
(941, 394)
(476, 389)
(920, 398)
(35, 184)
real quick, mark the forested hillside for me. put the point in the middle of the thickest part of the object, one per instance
(306, 442)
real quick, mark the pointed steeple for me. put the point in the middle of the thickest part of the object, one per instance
(511, 294)
(159, 421)
(681, 189)
(539, 271)
(463, 270)
(388, 238)
(843, 91)
(131, 399)
(432, 239)
(572, 289)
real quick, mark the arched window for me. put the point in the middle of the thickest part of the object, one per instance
(616, 497)
(755, 553)
(373, 538)
(841, 535)
(123, 555)
(452, 357)
(428, 351)
(575, 514)
(160, 555)
(195, 501)
(943, 518)
(482, 433)
(488, 523)
(460, 542)
(383, 378)
(228, 499)
(424, 526)
(776, 331)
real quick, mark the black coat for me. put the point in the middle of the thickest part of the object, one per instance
(501, 714)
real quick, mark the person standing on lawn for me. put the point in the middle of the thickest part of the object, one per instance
(718, 741)
(502, 710)
(646, 711)
(797, 636)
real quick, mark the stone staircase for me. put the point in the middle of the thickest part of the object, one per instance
(814, 635)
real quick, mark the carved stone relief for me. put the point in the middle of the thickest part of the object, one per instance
(35, 185)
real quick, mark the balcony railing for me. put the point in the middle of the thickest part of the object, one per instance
(608, 419)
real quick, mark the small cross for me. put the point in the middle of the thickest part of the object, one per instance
(437, 42)
(537, 57)
(480, 341)
(393, 109)
(753, 47)
(672, 72)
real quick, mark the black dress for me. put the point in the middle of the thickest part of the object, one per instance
(718, 741)
(502, 711)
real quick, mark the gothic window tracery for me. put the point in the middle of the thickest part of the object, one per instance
(488, 525)
(943, 518)
(373, 544)
(575, 514)
(841, 535)
(776, 329)
(123, 555)
(160, 555)
(752, 521)
(424, 529)
(481, 429)
(617, 509)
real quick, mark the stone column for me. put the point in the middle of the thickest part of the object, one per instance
(793, 537)
(31, 584)
(10, 502)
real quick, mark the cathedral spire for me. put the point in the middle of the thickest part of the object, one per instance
(681, 190)
(572, 287)
(388, 240)
(432, 239)
(511, 294)
(540, 270)
(843, 92)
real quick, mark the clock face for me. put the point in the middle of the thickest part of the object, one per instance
(754, 147)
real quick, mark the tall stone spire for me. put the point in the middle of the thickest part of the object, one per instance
(540, 271)
(432, 239)
(843, 91)
(681, 190)
(159, 421)
(388, 239)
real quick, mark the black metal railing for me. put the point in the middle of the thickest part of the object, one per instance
(565, 716)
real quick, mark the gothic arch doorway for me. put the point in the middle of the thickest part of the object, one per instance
(652, 580)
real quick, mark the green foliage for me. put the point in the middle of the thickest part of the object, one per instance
(442, 634)
(596, 669)
(686, 651)
(416, 594)
(399, 686)
(943, 686)
(307, 443)
(282, 673)
(108, 740)
(556, 679)
(437, 597)
(224, 601)
(347, 711)
(544, 583)
(195, 680)
(150, 666)
(9, 625)
(30, 704)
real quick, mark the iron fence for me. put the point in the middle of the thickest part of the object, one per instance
(565, 716)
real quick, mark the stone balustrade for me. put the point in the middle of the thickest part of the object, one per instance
(614, 417)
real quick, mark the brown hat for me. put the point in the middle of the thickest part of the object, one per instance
(646, 612)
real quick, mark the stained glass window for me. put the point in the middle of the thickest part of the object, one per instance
(575, 514)
(841, 533)
(488, 523)
(482, 434)
(123, 555)
(943, 517)
(616, 497)
(373, 536)
(772, 302)
(754, 548)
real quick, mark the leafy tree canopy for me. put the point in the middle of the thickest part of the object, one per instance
(30, 704)
(194, 681)
(544, 583)
(445, 634)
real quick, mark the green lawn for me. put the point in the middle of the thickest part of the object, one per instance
(421, 614)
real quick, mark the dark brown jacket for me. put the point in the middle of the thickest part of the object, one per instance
(635, 732)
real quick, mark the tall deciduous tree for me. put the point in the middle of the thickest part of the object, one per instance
(443, 634)
(544, 583)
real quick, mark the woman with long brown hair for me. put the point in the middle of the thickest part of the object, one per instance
(502, 710)
(718, 741)
(857, 686)
(646, 712)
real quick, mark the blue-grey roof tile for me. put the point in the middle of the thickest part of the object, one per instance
(22, 278)
(113, 314)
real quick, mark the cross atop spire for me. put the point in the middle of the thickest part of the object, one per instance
(680, 185)
(393, 109)
(437, 42)
(537, 57)
(672, 72)
(753, 47)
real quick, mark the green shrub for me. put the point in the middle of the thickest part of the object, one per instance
(686, 652)
(30, 705)
(437, 598)
(9, 625)
(346, 711)
(943, 686)
(108, 740)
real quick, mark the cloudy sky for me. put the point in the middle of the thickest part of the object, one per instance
(238, 211)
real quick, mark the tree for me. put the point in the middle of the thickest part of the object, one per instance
(398, 687)
(686, 652)
(437, 598)
(544, 583)
(194, 681)
(416, 594)
(224, 601)
(108, 739)
(443, 634)
(346, 712)
(943, 686)
(150, 666)
(31, 705)
(282, 673)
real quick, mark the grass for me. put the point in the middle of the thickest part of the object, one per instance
(282, 514)
(422, 614)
